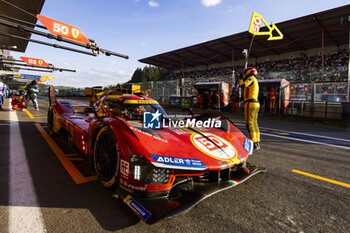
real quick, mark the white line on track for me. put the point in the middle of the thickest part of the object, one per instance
(303, 140)
(307, 134)
(24, 213)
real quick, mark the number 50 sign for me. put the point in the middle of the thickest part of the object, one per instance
(255, 24)
(62, 29)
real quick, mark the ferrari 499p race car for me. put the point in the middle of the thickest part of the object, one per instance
(161, 170)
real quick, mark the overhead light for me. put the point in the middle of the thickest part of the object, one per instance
(8, 47)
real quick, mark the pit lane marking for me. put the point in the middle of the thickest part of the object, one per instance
(24, 213)
(289, 135)
(308, 141)
(265, 129)
(64, 159)
(322, 178)
(36, 116)
(29, 114)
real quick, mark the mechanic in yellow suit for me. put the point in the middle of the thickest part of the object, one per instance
(251, 104)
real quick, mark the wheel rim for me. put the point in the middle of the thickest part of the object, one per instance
(106, 157)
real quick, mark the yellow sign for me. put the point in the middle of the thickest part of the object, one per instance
(48, 77)
(45, 78)
(42, 79)
(140, 102)
(255, 25)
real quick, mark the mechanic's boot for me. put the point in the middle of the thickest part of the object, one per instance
(257, 145)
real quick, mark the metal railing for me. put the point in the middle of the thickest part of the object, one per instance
(325, 110)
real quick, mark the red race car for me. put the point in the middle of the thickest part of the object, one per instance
(159, 165)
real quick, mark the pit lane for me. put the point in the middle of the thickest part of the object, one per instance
(278, 201)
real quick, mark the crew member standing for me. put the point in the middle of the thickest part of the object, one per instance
(251, 104)
(2, 97)
(205, 100)
(199, 100)
(18, 101)
(272, 95)
(32, 90)
(216, 101)
(234, 100)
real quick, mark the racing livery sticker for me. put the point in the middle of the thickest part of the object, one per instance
(124, 168)
(248, 145)
(214, 146)
(140, 102)
(175, 161)
(147, 134)
(233, 182)
(137, 208)
(179, 131)
(130, 187)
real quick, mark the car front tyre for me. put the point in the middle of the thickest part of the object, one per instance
(106, 158)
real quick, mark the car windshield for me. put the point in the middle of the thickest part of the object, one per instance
(133, 111)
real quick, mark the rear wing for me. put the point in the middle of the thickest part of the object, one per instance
(96, 93)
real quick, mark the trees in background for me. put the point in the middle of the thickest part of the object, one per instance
(149, 73)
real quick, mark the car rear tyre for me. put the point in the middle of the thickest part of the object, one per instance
(106, 158)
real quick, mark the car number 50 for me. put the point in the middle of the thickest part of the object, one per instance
(209, 144)
(60, 28)
(256, 24)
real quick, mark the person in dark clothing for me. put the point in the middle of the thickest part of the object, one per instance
(199, 100)
(234, 99)
(32, 91)
(205, 100)
(216, 101)
(18, 101)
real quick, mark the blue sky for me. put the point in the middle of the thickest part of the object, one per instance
(142, 28)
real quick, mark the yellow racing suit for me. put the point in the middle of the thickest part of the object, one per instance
(251, 106)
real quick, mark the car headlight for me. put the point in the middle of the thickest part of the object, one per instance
(145, 172)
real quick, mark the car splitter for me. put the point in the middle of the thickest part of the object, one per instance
(184, 196)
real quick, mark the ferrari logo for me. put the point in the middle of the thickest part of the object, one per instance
(75, 32)
(40, 62)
